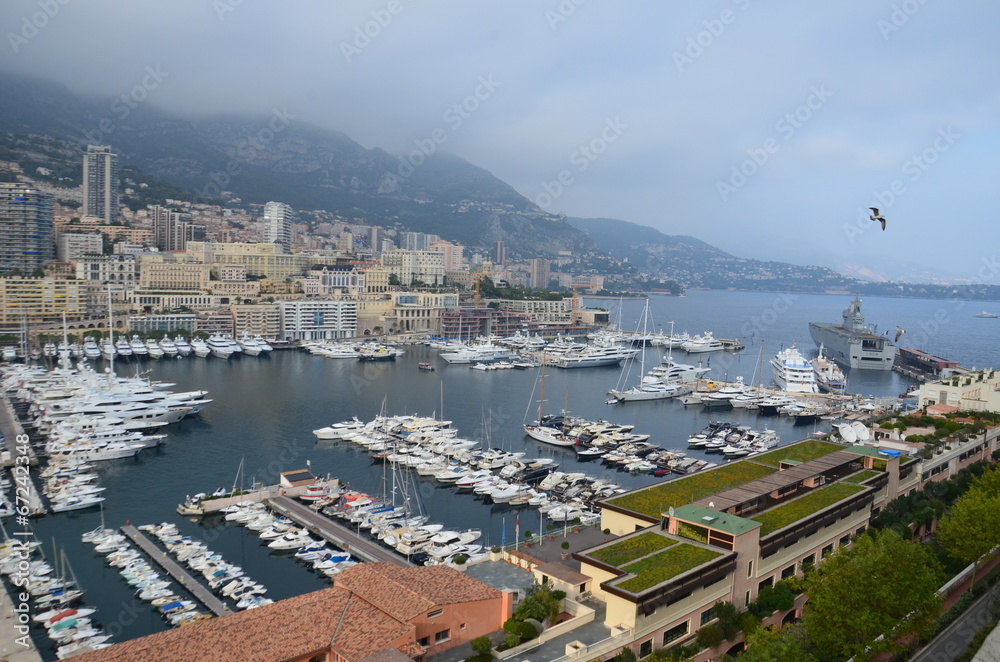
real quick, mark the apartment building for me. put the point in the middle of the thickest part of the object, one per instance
(409, 266)
(315, 319)
(174, 276)
(263, 320)
(72, 245)
(977, 390)
(40, 300)
(107, 269)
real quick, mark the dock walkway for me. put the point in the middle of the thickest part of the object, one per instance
(190, 584)
(336, 533)
(21, 477)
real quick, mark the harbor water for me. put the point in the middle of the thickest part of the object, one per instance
(263, 412)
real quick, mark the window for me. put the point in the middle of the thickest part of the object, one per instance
(827, 551)
(462, 626)
(675, 633)
(746, 602)
(424, 641)
(767, 582)
(443, 635)
(788, 572)
(435, 613)
(845, 540)
(707, 615)
(646, 649)
(750, 569)
(860, 530)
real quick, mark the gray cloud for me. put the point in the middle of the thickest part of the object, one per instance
(702, 88)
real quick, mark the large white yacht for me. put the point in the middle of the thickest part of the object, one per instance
(702, 343)
(829, 377)
(792, 373)
(596, 356)
(219, 346)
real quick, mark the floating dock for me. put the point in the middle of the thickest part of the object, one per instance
(190, 584)
(335, 533)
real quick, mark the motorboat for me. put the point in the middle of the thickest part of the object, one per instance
(703, 343)
(792, 373)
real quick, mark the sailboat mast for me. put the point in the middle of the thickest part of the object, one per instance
(541, 392)
(111, 335)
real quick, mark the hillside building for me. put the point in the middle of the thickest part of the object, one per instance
(26, 228)
(100, 184)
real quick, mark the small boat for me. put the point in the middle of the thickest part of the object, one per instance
(986, 315)
(426, 367)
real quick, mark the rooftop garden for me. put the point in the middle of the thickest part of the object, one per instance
(801, 452)
(815, 501)
(631, 549)
(937, 433)
(657, 499)
(664, 565)
(862, 476)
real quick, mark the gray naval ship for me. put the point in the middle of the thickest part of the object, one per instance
(854, 344)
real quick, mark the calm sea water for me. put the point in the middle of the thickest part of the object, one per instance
(264, 410)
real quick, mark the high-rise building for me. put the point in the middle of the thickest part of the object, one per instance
(27, 229)
(539, 273)
(71, 245)
(278, 224)
(100, 183)
(416, 241)
(452, 253)
(173, 230)
(500, 254)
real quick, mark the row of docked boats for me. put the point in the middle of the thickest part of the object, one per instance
(366, 351)
(54, 599)
(733, 440)
(137, 570)
(219, 345)
(226, 579)
(282, 534)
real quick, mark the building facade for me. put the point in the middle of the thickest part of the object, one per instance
(107, 269)
(41, 300)
(26, 228)
(174, 276)
(100, 184)
(539, 273)
(172, 230)
(278, 224)
(977, 390)
(72, 245)
(263, 320)
(315, 319)
(409, 266)
(452, 253)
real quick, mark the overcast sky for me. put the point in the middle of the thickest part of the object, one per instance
(765, 129)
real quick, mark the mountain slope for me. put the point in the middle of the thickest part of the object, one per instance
(277, 157)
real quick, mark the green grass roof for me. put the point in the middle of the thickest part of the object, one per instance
(655, 500)
(632, 548)
(720, 521)
(669, 563)
(793, 511)
(810, 449)
(862, 476)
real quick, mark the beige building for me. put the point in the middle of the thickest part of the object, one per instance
(231, 272)
(977, 390)
(452, 253)
(118, 233)
(376, 278)
(314, 319)
(235, 288)
(39, 300)
(107, 269)
(539, 273)
(174, 276)
(260, 259)
(262, 319)
(421, 311)
(374, 315)
(72, 245)
(424, 266)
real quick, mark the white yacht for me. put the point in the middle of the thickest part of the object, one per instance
(702, 343)
(200, 348)
(249, 345)
(792, 373)
(829, 377)
(478, 354)
(169, 347)
(91, 349)
(182, 345)
(265, 346)
(123, 346)
(138, 347)
(219, 346)
(596, 356)
(10, 354)
(153, 349)
(651, 388)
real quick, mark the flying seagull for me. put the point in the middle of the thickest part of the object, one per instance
(899, 331)
(877, 216)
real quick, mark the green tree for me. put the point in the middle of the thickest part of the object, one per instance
(777, 645)
(482, 645)
(970, 531)
(394, 279)
(865, 598)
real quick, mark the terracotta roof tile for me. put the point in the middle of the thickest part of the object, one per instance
(287, 629)
(408, 592)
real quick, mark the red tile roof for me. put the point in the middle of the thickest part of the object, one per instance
(285, 630)
(408, 592)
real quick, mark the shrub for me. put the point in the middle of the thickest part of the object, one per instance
(482, 645)
(565, 545)
(511, 640)
(495, 550)
(460, 559)
(709, 636)
(749, 622)
(607, 532)
(625, 655)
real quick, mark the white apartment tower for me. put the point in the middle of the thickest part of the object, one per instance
(278, 224)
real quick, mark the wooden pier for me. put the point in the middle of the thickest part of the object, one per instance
(20, 472)
(335, 533)
(190, 584)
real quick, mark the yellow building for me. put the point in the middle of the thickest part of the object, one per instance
(977, 390)
(39, 300)
(174, 276)
(262, 320)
